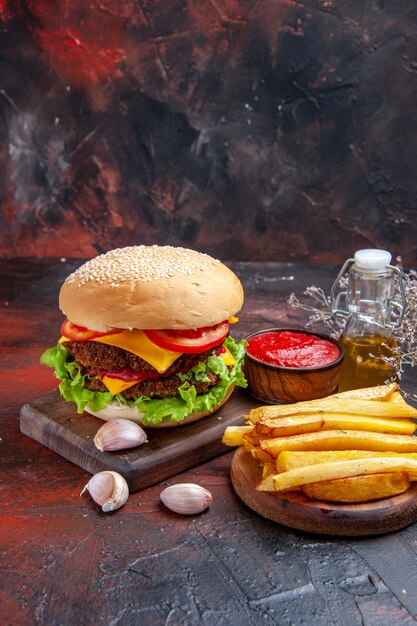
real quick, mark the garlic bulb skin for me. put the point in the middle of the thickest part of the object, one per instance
(186, 498)
(119, 434)
(108, 489)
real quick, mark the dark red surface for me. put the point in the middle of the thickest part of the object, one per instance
(63, 562)
(267, 130)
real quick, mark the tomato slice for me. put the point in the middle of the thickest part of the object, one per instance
(190, 341)
(79, 333)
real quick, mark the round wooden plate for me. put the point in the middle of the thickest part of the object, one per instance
(296, 510)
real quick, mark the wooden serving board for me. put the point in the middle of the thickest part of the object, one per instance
(55, 423)
(296, 510)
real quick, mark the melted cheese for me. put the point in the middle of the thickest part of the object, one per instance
(136, 341)
(114, 385)
(228, 358)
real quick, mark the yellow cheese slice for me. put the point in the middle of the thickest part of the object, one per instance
(136, 341)
(114, 385)
(228, 358)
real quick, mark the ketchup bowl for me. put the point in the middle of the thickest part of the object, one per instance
(291, 365)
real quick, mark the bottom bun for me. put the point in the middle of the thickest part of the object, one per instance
(115, 411)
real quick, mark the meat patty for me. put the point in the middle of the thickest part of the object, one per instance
(95, 355)
(164, 387)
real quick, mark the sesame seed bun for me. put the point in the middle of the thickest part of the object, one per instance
(118, 411)
(150, 287)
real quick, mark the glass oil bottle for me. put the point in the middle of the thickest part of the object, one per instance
(370, 310)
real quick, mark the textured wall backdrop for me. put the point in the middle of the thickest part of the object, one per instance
(250, 129)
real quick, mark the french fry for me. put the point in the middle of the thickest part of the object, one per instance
(267, 483)
(382, 401)
(261, 456)
(341, 440)
(293, 425)
(298, 424)
(253, 437)
(396, 398)
(400, 426)
(333, 404)
(379, 393)
(287, 481)
(233, 435)
(268, 469)
(257, 453)
(291, 460)
(359, 488)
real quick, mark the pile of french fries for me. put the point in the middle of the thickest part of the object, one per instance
(350, 447)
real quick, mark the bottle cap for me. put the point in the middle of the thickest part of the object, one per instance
(372, 260)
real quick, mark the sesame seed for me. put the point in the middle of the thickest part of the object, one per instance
(142, 264)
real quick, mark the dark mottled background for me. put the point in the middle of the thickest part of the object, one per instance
(250, 129)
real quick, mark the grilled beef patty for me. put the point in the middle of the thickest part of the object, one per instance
(165, 387)
(92, 354)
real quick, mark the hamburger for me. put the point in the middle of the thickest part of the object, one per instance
(146, 335)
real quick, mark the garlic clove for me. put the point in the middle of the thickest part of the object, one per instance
(186, 498)
(119, 434)
(108, 489)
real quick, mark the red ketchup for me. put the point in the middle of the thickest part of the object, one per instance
(292, 349)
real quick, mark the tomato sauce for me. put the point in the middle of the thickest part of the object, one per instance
(127, 374)
(292, 349)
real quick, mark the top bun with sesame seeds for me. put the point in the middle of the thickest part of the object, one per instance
(159, 287)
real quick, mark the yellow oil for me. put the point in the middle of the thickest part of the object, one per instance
(364, 364)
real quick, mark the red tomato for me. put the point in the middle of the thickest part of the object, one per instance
(190, 341)
(79, 333)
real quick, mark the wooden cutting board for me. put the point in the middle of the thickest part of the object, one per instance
(55, 423)
(296, 510)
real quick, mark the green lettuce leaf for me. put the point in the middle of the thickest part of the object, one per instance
(72, 381)
(156, 410)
